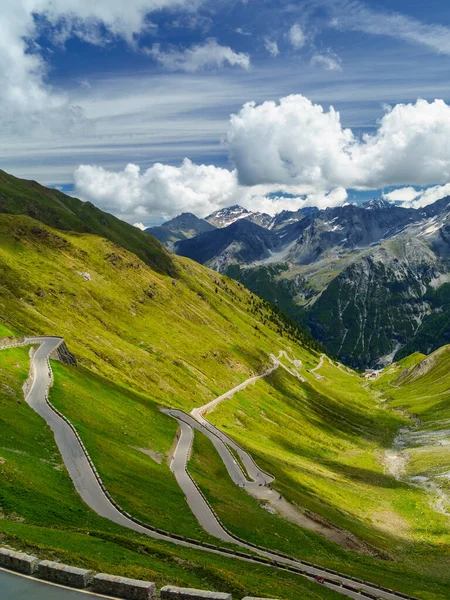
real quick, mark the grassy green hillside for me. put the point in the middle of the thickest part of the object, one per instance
(419, 387)
(176, 339)
(53, 208)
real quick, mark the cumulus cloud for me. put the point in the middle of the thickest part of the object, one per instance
(296, 36)
(297, 142)
(27, 102)
(198, 57)
(412, 198)
(164, 191)
(271, 47)
(161, 191)
(329, 61)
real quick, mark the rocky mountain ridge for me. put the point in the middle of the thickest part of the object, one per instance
(227, 216)
(182, 227)
(370, 282)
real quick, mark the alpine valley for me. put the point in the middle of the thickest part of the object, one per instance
(304, 469)
(370, 282)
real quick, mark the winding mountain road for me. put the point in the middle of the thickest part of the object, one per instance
(89, 487)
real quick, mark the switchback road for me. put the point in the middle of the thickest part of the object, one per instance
(89, 487)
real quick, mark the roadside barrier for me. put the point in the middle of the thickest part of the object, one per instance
(122, 587)
(101, 583)
(18, 561)
(64, 574)
(175, 593)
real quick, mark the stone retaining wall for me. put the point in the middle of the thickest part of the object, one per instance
(11, 342)
(64, 355)
(59, 573)
(175, 593)
(122, 587)
(29, 382)
(18, 561)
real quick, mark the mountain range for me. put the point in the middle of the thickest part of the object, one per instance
(370, 282)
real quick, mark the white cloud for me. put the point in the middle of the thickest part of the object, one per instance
(272, 204)
(328, 61)
(296, 36)
(299, 143)
(198, 57)
(243, 31)
(271, 47)
(27, 102)
(164, 191)
(140, 226)
(335, 197)
(412, 198)
(161, 191)
(357, 16)
(406, 194)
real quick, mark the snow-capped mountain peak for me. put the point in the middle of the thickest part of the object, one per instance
(377, 203)
(229, 215)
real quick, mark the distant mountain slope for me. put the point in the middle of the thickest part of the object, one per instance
(242, 241)
(183, 227)
(52, 207)
(393, 300)
(335, 231)
(369, 281)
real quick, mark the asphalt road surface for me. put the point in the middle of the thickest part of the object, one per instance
(15, 587)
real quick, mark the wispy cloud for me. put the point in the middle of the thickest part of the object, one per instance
(271, 47)
(209, 55)
(296, 36)
(328, 61)
(356, 16)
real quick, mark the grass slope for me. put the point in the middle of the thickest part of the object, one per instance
(117, 425)
(177, 340)
(52, 207)
(419, 387)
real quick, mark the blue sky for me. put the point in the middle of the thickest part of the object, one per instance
(148, 82)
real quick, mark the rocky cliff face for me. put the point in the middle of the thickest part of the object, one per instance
(377, 304)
